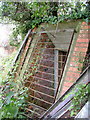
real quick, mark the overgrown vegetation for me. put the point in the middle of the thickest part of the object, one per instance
(80, 98)
(27, 16)
(12, 91)
(30, 14)
(5, 66)
(12, 97)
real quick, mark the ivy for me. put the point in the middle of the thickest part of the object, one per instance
(12, 97)
(80, 98)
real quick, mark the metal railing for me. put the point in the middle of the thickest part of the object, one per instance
(61, 106)
(37, 68)
(22, 46)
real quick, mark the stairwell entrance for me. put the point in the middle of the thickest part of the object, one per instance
(42, 60)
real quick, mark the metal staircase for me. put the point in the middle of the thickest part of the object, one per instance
(61, 107)
(40, 68)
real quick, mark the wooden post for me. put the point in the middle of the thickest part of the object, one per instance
(55, 70)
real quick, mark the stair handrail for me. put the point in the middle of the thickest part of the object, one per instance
(21, 47)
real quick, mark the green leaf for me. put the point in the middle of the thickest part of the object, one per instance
(13, 110)
(88, 89)
(1, 114)
(9, 96)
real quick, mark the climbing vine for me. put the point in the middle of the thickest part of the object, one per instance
(80, 98)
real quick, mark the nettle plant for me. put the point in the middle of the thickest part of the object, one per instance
(12, 98)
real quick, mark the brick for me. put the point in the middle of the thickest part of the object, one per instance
(72, 74)
(84, 31)
(83, 36)
(84, 23)
(73, 63)
(82, 40)
(76, 64)
(68, 73)
(75, 53)
(64, 89)
(85, 27)
(68, 84)
(75, 59)
(73, 69)
(62, 93)
(76, 49)
(69, 79)
(82, 44)
(80, 49)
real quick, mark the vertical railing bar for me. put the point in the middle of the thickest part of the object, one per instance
(68, 91)
(26, 53)
(55, 70)
(65, 63)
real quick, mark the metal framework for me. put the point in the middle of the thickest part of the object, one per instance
(41, 66)
(61, 107)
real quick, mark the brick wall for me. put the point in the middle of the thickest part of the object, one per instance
(77, 57)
